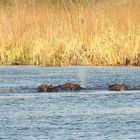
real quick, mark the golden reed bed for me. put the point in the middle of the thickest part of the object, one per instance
(63, 33)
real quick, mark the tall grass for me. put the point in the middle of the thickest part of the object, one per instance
(62, 32)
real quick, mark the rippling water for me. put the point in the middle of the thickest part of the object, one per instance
(95, 114)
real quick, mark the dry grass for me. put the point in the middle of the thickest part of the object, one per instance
(100, 33)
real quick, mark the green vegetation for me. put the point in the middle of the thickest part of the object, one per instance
(69, 32)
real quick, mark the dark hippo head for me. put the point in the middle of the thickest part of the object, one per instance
(44, 88)
(65, 87)
(70, 86)
(118, 87)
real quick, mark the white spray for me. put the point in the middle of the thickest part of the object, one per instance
(82, 75)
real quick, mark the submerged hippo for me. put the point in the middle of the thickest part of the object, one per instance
(118, 87)
(65, 87)
(7, 90)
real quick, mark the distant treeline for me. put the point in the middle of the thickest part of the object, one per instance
(53, 2)
(65, 2)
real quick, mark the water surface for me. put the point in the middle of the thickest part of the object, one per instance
(96, 114)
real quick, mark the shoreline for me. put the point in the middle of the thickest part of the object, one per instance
(27, 65)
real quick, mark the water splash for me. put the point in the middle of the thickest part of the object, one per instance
(82, 76)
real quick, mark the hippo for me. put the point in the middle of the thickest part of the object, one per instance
(70, 86)
(64, 87)
(118, 87)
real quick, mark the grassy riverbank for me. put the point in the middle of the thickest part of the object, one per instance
(62, 32)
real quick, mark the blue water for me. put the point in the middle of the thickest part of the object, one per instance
(94, 114)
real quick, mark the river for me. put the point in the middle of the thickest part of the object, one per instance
(93, 114)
